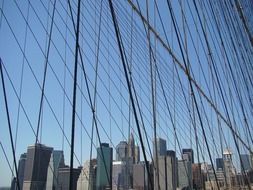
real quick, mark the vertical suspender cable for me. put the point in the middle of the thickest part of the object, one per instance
(153, 102)
(74, 98)
(9, 124)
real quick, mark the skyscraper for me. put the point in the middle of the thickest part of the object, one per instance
(184, 174)
(121, 151)
(36, 166)
(166, 173)
(87, 178)
(104, 167)
(161, 149)
(140, 177)
(21, 172)
(246, 164)
(56, 162)
(64, 176)
(120, 176)
(172, 169)
(197, 177)
(189, 152)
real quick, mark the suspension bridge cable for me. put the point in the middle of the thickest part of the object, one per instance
(21, 83)
(9, 124)
(194, 98)
(129, 87)
(44, 74)
(74, 97)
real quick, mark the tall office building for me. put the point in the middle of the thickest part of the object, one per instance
(246, 164)
(56, 162)
(120, 176)
(189, 152)
(104, 167)
(122, 151)
(64, 176)
(21, 172)
(172, 172)
(197, 177)
(184, 174)
(36, 166)
(140, 177)
(87, 178)
(166, 173)
(161, 147)
(159, 162)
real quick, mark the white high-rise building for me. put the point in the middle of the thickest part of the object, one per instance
(87, 178)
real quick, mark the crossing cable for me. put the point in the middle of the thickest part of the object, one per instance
(16, 93)
(44, 74)
(230, 69)
(88, 90)
(240, 12)
(232, 75)
(164, 94)
(9, 124)
(129, 87)
(247, 70)
(213, 82)
(176, 67)
(215, 68)
(191, 13)
(167, 47)
(21, 81)
(236, 36)
(153, 99)
(64, 81)
(71, 182)
(6, 158)
(244, 174)
(208, 46)
(166, 101)
(95, 85)
(40, 88)
(186, 23)
(1, 18)
(201, 41)
(166, 98)
(140, 112)
(137, 101)
(191, 87)
(205, 115)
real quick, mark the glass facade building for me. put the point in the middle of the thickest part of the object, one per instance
(104, 167)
